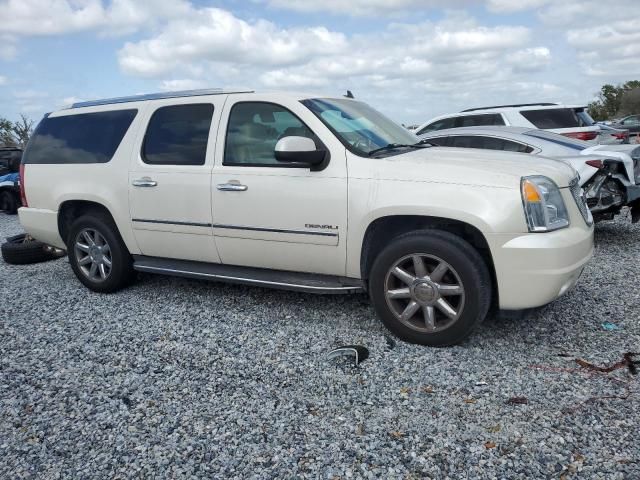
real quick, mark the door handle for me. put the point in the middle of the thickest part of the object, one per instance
(232, 187)
(144, 182)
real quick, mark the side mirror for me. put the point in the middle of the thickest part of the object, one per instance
(301, 150)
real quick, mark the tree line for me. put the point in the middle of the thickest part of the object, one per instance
(615, 101)
(15, 134)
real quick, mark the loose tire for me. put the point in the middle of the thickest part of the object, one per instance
(8, 202)
(430, 287)
(97, 254)
(23, 250)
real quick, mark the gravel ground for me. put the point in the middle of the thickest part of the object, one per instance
(178, 378)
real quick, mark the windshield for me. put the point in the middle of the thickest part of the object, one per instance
(361, 128)
(558, 139)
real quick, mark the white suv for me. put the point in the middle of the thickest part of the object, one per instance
(321, 195)
(569, 120)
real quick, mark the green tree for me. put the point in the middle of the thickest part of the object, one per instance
(610, 100)
(15, 134)
(630, 102)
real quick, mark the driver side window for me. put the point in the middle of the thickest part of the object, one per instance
(254, 129)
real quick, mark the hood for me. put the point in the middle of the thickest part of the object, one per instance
(473, 167)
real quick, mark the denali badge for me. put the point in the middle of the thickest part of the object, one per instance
(322, 227)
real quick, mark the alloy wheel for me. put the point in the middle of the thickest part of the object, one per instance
(424, 292)
(93, 255)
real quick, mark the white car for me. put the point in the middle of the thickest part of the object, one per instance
(569, 120)
(307, 193)
(609, 174)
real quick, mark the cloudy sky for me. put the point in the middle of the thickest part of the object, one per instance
(412, 59)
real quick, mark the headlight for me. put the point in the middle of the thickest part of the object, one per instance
(543, 204)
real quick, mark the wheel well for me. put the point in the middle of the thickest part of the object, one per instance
(385, 229)
(72, 209)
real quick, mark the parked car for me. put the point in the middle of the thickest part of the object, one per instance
(612, 136)
(9, 193)
(630, 123)
(9, 160)
(322, 195)
(571, 121)
(609, 174)
(9, 179)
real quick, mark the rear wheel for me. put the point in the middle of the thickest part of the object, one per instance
(430, 287)
(97, 254)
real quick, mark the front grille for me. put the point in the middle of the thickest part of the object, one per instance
(578, 196)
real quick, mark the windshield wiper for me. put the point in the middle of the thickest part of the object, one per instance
(392, 146)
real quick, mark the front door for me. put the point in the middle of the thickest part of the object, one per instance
(170, 180)
(268, 214)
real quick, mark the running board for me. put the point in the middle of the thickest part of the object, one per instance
(296, 281)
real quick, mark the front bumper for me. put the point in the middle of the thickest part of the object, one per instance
(536, 268)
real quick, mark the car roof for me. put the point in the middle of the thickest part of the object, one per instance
(191, 93)
(479, 130)
(528, 106)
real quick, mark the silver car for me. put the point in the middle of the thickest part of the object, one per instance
(609, 174)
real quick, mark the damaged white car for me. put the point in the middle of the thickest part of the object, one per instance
(609, 174)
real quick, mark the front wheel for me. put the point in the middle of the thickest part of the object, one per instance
(97, 254)
(430, 287)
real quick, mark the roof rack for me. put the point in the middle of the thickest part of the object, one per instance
(516, 105)
(156, 96)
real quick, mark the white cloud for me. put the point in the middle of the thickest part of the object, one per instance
(55, 17)
(606, 40)
(448, 62)
(365, 7)
(509, 6)
(215, 35)
(182, 84)
(3, 80)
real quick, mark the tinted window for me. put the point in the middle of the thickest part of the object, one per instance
(632, 121)
(488, 143)
(178, 135)
(477, 120)
(440, 141)
(255, 128)
(552, 118)
(438, 125)
(81, 138)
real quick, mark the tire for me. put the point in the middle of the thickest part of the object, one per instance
(462, 280)
(8, 202)
(23, 250)
(102, 231)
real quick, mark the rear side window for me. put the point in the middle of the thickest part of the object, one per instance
(552, 118)
(440, 141)
(178, 135)
(81, 138)
(438, 125)
(489, 143)
(480, 120)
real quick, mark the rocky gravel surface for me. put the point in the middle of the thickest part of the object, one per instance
(175, 378)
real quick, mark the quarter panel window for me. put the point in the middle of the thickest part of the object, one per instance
(488, 143)
(552, 118)
(255, 128)
(440, 141)
(79, 138)
(441, 124)
(480, 120)
(178, 135)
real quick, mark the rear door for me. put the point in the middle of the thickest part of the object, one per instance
(170, 179)
(267, 214)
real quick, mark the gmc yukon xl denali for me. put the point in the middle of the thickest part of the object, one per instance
(316, 194)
